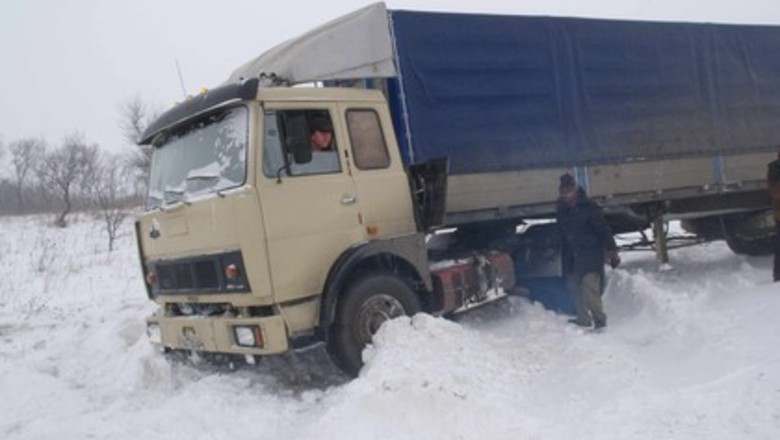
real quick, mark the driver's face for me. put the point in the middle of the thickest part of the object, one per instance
(320, 140)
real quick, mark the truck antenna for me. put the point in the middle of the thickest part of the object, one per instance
(181, 78)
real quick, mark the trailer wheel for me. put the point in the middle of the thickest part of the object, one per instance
(742, 245)
(745, 241)
(366, 305)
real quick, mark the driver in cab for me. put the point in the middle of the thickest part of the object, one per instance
(324, 157)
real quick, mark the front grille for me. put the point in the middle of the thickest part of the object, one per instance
(206, 274)
(178, 276)
(199, 275)
(184, 276)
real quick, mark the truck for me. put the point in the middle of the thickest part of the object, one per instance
(448, 135)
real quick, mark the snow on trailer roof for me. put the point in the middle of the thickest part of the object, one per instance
(363, 41)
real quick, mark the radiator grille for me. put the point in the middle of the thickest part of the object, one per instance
(199, 275)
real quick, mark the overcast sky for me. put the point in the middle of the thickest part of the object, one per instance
(67, 66)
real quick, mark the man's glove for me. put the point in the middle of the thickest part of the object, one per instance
(613, 258)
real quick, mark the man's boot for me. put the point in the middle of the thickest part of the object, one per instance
(578, 322)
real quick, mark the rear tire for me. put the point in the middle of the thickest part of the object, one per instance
(744, 241)
(366, 305)
(749, 246)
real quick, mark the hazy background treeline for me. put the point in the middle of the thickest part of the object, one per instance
(60, 177)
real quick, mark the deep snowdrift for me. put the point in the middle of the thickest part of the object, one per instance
(690, 353)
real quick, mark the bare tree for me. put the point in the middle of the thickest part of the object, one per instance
(109, 190)
(65, 168)
(136, 117)
(25, 156)
(3, 182)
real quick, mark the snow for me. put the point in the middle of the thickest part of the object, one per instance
(690, 353)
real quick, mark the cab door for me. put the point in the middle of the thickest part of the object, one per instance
(311, 214)
(381, 181)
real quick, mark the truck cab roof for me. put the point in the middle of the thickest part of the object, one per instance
(250, 90)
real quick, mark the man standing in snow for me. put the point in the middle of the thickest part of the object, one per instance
(773, 183)
(587, 241)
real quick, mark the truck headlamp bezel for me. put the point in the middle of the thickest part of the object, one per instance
(248, 336)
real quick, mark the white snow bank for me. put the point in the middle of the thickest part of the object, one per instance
(690, 353)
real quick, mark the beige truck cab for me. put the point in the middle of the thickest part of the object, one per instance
(252, 244)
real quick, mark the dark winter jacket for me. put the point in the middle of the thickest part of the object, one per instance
(585, 234)
(773, 183)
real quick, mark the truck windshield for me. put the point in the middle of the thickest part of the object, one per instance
(205, 156)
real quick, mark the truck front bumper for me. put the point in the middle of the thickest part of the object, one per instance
(248, 336)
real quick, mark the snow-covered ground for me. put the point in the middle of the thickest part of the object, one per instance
(690, 353)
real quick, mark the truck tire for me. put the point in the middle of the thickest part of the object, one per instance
(747, 245)
(744, 240)
(366, 305)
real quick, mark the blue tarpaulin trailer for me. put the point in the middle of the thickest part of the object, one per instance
(639, 112)
(510, 92)
(497, 93)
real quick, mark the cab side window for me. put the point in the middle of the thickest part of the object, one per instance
(299, 143)
(368, 141)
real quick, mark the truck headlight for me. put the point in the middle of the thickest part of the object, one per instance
(248, 335)
(154, 333)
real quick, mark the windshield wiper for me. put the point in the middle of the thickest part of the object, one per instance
(202, 177)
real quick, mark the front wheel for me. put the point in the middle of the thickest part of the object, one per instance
(366, 305)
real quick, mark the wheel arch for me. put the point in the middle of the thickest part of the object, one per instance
(404, 255)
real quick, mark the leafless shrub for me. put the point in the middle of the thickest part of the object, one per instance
(25, 157)
(109, 192)
(136, 117)
(64, 170)
(43, 261)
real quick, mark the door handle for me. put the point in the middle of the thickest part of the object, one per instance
(348, 199)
